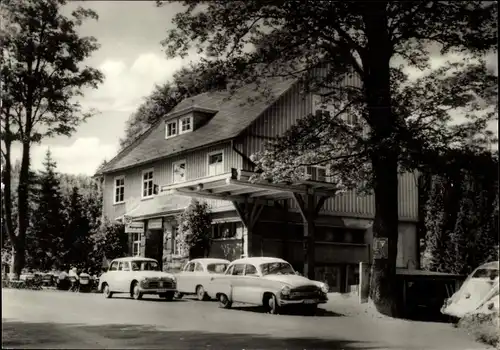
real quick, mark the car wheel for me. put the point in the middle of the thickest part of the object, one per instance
(201, 294)
(136, 292)
(169, 296)
(224, 301)
(106, 291)
(272, 305)
(178, 295)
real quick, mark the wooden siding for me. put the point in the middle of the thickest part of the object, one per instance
(196, 167)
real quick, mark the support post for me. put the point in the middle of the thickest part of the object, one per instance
(249, 214)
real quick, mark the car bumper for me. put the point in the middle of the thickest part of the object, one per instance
(157, 290)
(284, 302)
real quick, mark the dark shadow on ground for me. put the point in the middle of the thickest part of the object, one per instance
(289, 311)
(65, 336)
(147, 298)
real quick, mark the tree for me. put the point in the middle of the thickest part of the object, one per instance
(195, 229)
(109, 242)
(42, 77)
(45, 246)
(255, 40)
(188, 81)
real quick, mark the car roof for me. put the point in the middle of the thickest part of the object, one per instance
(210, 261)
(135, 258)
(258, 260)
(490, 265)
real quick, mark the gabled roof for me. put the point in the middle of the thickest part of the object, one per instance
(235, 114)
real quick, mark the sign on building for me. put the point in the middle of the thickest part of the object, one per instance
(134, 227)
(155, 224)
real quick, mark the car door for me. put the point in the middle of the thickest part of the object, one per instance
(184, 279)
(197, 276)
(237, 283)
(123, 276)
(111, 276)
(252, 283)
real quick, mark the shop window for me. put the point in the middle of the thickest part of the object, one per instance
(226, 230)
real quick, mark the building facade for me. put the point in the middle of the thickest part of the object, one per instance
(202, 148)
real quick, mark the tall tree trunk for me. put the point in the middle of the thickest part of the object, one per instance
(384, 159)
(18, 256)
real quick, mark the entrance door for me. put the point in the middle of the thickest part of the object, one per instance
(331, 275)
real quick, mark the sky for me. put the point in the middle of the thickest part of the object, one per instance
(132, 60)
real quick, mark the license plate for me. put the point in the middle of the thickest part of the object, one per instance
(161, 290)
(308, 301)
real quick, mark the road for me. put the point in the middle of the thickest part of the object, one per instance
(52, 319)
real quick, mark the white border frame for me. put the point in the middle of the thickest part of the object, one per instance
(114, 189)
(142, 183)
(176, 122)
(208, 161)
(185, 176)
(191, 120)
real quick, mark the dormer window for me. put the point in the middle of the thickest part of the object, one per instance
(186, 124)
(171, 129)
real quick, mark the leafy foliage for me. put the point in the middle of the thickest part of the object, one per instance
(42, 78)
(195, 229)
(109, 242)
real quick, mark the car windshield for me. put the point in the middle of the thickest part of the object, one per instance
(145, 266)
(277, 268)
(217, 268)
(486, 273)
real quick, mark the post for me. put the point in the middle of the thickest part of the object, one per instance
(364, 282)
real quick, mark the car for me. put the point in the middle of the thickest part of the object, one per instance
(137, 276)
(480, 287)
(269, 282)
(196, 274)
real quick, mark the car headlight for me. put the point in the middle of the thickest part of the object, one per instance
(324, 288)
(174, 279)
(285, 290)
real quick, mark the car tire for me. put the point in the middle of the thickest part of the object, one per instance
(272, 305)
(168, 296)
(224, 301)
(201, 294)
(106, 291)
(135, 293)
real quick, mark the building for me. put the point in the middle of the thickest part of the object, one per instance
(202, 149)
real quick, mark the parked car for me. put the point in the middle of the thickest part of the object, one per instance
(269, 282)
(137, 276)
(196, 274)
(479, 288)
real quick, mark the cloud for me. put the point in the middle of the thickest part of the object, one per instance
(125, 86)
(81, 157)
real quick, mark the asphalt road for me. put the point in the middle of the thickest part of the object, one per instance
(52, 319)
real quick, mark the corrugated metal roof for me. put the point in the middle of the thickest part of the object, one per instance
(235, 114)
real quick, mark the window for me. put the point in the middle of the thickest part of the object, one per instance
(216, 268)
(171, 129)
(318, 173)
(124, 266)
(176, 247)
(189, 267)
(229, 271)
(226, 230)
(186, 124)
(215, 163)
(250, 270)
(179, 171)
(147, 183)
(351, 119)
(238, 270)
(114, 266)
(119, 189)
(136, 244)
(198, 267)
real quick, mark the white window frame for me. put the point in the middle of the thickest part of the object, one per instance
(190, 125)
(208, 162)
(327, 173)
(174, 122)
(151, 170)
(183, 161)
(136, 244)
(115, 187)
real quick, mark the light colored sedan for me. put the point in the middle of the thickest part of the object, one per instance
(137, 276)
(196, 275)
(270, 282)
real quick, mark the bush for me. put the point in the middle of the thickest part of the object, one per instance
(484, 327)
